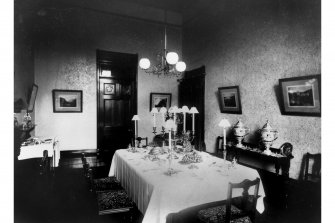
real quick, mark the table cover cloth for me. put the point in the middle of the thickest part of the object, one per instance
(36, 151)
(157, 194)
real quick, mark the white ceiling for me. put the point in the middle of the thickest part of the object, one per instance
(179, 10)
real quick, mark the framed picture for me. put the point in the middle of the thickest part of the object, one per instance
(67, 100)
(229, 100)
(109, 88)
(32, 98)
(301, 95)
(159, 100)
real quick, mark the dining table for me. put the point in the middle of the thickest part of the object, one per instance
(158, 191)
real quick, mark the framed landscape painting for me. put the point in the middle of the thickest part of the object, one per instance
(158, 100)
(229, 100)
(67, 100)
(301, 95)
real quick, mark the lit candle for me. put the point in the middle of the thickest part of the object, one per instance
(169, 125)
(135, 129)
(135, 119)
(193, 111)
(175, 111)
(224, 123)
(184, 126)
(224, 137)
(184, 110)
(170, 141)
(163, 111)
(154, 111)
(193, 122)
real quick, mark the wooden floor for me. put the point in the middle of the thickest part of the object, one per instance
(65, 197)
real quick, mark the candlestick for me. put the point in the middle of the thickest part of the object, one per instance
(184, 122)
(184, 109)
(154, 120)
(193, 122)
(224, 123)
(170, 126)
(170, 141)
(135, 129)
(163, 111)
(135, 119)
(224, 138)
(154, 111)
(193, 111)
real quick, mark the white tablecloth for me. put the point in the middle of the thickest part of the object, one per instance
(157, 194)
(36, 151)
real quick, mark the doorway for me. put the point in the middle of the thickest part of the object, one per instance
(192, 93)
(117, 100)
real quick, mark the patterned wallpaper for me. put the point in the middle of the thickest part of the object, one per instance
(252, 45)
(65, 58)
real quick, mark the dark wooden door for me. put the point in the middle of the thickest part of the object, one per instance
(117, 99)
(192, 93)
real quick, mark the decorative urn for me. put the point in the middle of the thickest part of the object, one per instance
(268, 135)
(240, 132)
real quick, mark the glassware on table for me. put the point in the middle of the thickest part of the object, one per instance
(234, 163)
(224, 153)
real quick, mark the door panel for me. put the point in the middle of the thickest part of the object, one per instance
(115, 114)
(117, 100)
(192, 93)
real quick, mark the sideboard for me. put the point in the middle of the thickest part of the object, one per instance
(252, 155)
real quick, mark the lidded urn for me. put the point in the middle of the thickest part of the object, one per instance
(268, 135)
(240, 131)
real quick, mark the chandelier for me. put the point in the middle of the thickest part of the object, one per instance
(168, 63)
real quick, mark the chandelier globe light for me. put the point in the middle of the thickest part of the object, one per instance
(168, 63)
(144, 63)
(172, 58)
(181, 66)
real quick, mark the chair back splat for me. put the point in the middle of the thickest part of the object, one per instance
(237, 209)
(315, 173)
(111, 197)
(245, 185)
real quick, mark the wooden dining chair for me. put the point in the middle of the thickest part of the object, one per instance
(313, 174)
(111, 197)
(44, 165)
(236, 210)
(99, 184)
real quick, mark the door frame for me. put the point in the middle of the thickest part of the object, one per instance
(197, 73)
(108, 56)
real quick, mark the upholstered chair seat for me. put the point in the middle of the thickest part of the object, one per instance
(218, 215)
(106, 183)
(114, 201)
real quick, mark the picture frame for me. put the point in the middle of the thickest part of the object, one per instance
(32, 98)
(159, 100)
(67, 101)
(230, 100)
(301, 96)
